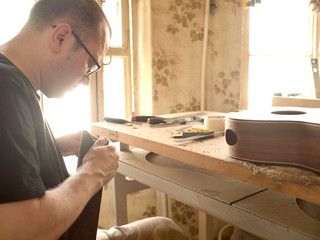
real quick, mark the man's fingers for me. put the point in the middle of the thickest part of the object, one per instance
(102, 141)
(94, 137)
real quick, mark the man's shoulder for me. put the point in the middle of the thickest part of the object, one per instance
(11, 78)
(9, 72)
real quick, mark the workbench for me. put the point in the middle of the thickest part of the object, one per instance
(259, 199)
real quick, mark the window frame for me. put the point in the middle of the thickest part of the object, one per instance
(96, 83)
(244, 86)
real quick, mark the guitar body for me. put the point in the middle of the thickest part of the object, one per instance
(289, 136)
(85, 227)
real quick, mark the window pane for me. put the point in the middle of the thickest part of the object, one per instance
(280, 27)
(269, 75)
(114, 89)
(112, 9)
(13, 16)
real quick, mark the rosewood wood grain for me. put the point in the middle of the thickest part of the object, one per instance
(276, 138)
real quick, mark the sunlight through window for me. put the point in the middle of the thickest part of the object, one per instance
(112, 10)
(280, 41)
(13, 16)
(71, 113)
(114, 103)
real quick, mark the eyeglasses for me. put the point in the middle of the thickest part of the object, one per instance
(93, 68)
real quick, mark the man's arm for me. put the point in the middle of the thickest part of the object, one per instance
(50, 216)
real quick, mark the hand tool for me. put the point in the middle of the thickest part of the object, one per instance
(194, 117)
(194, 132)
(199, 137)
(165, 124)
(141, 118)
(118, 120)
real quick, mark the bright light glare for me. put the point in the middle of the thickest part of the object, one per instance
(112, 10)
(280, 48)
(114, 99)
(280, 27)
(13, 15)
(71, 113)
(269, 75)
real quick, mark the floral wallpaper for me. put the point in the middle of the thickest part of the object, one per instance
(186, 217)
(163, 69)
(177, 44)
(222, 86)
(223, 72)
(315, 5)
(176, 26)
(184, 14)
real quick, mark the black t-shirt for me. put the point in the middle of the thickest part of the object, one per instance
(30, 161)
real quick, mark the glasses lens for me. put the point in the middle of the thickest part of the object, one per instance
(93, 69)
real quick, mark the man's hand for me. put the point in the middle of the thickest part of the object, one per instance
(49, 216)
(70, 144)
(101, 161)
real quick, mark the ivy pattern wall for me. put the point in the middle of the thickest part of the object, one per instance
(224, 62)
(177, 32)
(177, 42)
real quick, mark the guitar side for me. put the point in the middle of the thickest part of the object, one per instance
(274, 140)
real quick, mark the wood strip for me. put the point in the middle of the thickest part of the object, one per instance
(204, 55)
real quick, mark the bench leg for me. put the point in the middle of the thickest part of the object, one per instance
(206, 230)
(118, 189)
(117, 201)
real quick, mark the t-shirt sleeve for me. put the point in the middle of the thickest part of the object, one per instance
(19, 161)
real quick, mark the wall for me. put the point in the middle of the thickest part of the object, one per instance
(175, 58)
(224, 57)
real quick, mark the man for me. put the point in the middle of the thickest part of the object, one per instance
(62, 43)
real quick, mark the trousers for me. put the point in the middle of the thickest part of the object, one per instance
(155, 228)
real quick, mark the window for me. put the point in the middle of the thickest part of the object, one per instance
(281, 42)
(117, 100)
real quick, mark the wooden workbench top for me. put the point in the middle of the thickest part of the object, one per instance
(211, 154)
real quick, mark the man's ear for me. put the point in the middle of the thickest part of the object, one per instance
(58, 37)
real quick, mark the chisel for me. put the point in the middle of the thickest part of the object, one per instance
(192, 138)
(118, 120)
(193, 117)
(141, 118)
